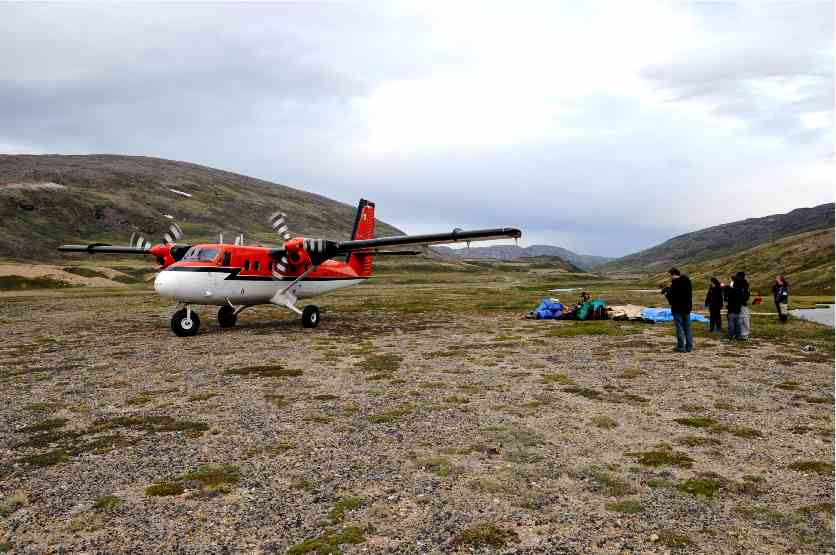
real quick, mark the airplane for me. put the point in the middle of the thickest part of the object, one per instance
(237, 276)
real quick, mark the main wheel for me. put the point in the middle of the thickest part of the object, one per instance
(183, 325)
(226, 316)
(310, 316)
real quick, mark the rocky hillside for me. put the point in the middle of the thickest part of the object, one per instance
(48, 200)
(724, 240)
(805, 259)
(514, 252)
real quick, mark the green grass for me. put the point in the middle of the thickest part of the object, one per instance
(663, 457)
(611, 485)
(265, 371)
(706, 487)
(163, 489)
(480, 536)
(345, 504)
(84, 272)
(107, 502)
(818, 467)
(627, 507)
(392, 415)
(20, 283)
(329, 542)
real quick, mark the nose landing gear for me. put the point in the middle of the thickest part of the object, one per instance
(310, 316)
(185, 322)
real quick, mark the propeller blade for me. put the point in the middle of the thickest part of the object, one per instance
(278, 221)
(174, 233)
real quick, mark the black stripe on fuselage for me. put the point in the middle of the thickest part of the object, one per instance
(234, 274)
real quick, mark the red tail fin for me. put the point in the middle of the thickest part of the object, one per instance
(361, 262)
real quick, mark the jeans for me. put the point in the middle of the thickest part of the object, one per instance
(734, 325)
(783, 311)
(744, 323)
(716, 320)
(684, 335)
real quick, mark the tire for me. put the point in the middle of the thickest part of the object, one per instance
(227, 316)
(184, 327)
(310, 316)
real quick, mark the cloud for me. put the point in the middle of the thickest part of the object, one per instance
(604, 129)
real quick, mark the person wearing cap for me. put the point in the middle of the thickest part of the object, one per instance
(680, 297)
(737, 297)
(742, 286)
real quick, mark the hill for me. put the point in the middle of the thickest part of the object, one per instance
(805, 259)
(514, 252)
(724, 240)
(52, 199)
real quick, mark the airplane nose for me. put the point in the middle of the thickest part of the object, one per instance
(163, 284)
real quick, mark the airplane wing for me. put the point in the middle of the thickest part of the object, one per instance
(456, 236)
(104, 248)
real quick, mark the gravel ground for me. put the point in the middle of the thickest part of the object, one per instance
(403, 425)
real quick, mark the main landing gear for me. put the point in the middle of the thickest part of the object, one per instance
(227, 316)
(185, 322)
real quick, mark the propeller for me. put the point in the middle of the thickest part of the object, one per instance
(172, 235)
(278, 221)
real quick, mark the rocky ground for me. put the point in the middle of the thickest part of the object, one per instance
(418, 418)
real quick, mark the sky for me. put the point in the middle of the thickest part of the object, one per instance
(602, 127)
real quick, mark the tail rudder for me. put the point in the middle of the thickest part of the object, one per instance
(361, 262)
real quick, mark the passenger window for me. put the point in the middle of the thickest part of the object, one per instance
(227, 258)
(246, 265)
(256, 265)
(270, 266)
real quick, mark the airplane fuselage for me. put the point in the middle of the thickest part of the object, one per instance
(244, 276)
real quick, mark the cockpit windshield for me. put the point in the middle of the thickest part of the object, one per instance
(204, 254)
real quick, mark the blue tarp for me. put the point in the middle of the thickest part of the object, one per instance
(664, 315)
(548, 309)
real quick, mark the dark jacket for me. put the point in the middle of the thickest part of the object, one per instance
(737, 296)
(714, 298)
(680, 295)
(781, 293)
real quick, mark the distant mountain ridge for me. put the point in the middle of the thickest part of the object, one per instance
(724, 240)
(514, 252)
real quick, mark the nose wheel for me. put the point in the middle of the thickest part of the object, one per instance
(310, 316)
(185, 322)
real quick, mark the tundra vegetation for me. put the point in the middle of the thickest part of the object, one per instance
(423, 411)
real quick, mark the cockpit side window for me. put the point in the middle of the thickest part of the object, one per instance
(206, 254)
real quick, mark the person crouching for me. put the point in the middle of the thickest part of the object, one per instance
(680, 297)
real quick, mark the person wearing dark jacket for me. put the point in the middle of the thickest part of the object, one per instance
(680, 297)
(781, 294)
(737, 299)
(714, 304)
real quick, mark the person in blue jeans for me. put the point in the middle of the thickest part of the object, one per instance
(680, 296)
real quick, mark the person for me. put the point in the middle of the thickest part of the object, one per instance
(714, 304)
(680, 297)
(743, 292)
(781, 294)
(737, 298)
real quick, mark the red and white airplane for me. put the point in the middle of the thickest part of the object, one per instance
(235, 276)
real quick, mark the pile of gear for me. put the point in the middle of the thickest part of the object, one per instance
(588, 309)
(584, 309)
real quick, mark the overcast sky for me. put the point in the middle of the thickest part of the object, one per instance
(601, 127)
